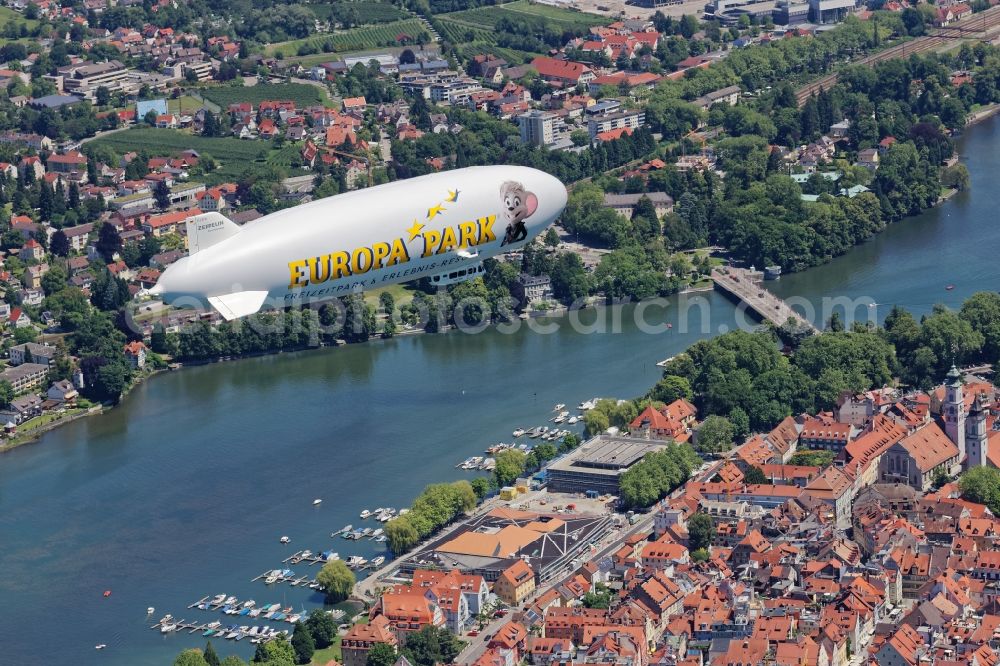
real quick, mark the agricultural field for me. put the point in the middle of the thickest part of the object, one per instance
(233, 155)
(487, 17)
(355, 39)
(365, 13)
(302, 94)
(512, 56)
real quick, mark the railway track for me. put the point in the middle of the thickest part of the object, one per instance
(977, 25)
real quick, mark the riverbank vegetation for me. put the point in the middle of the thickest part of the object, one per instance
(744, 375)
(337, 580)
(438, 505)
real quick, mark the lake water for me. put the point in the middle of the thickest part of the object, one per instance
(186, 488)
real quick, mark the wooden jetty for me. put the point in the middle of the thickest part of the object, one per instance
(745, 286)
(294, 581)
(297, 558)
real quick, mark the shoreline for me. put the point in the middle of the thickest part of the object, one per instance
(35, 435)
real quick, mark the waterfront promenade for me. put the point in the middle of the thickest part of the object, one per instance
(745, 286)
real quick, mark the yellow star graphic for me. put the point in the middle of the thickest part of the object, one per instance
(414, 231)
(452, 195)
(435, 211)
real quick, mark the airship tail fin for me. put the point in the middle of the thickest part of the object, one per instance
(238, 304)
(207, 229)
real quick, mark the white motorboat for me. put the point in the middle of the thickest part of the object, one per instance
(365, 514)
(317, 502)
(100, 646)
(284, 539)
(519, 432)
(150, 610)
(378, 561)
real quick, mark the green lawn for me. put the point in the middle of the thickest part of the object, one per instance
(355, 39)
(321, 657)
(233, 155)
(302, 94)
(185, 104)
(45, 419)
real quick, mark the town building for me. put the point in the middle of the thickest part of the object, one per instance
(624, 204)
(537, 127)
(515, 584)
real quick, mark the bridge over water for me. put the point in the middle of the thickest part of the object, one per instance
(746, 286)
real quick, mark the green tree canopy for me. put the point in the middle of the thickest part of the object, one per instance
(337, 580)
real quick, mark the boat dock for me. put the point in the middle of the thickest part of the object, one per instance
(294, 581)
(745, 286)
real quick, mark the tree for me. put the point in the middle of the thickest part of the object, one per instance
(109, 242)
(599, 597)
(162, 195)
(59, 245)
(551, 238)
(103, 97)
(701, 530)
(303, 644)
(715, 435)
(54, 280)
(322, 627)
(210, 656)
(671, 388)
(6, 392)
(982, 485)
(192, 657)
(401, 535)
(579, 137)
(337, 580)
(381, 654)
(754, 476)
(481, 486)
(275, 653)
(432, 645)
(233, 660)
(510, 465)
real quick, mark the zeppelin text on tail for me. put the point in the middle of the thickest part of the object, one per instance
(440, 226)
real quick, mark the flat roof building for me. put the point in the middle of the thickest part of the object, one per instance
(598, 464)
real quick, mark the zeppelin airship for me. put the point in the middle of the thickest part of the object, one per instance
(439, 226)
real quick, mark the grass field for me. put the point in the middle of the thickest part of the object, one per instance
(366, 12)
(233, 155)
(185, 104)
(9, 16)
(301, 93)
(355, 39)
(488, 17)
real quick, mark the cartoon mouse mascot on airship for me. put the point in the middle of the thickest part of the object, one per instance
(519, 205)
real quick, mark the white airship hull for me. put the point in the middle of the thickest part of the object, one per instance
(444, 223)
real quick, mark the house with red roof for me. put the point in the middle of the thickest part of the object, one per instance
(31, 251)
(135, 352)
(168, 223)
(167, 121)
(563, 71)
(361, 637)
(354, 104)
